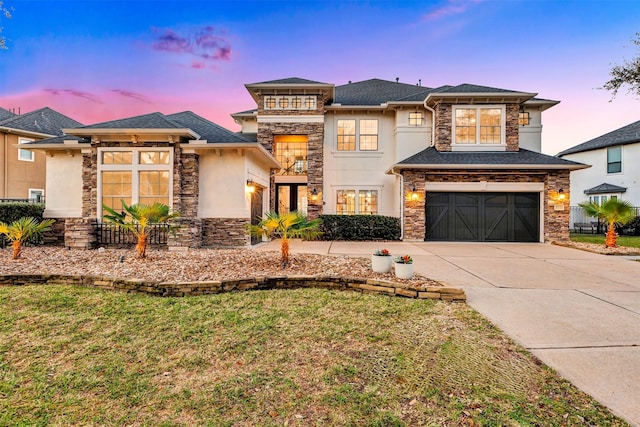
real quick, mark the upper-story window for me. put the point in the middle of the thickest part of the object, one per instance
(416, 118)
(524, 118)
(280, 102)
(25, 155)
(365, 134)
(291, 152)
(614, 159)
(478, 125)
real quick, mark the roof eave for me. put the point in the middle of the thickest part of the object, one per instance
(516, 96)
(204, 145)
(439, 166)
(25, 132)
(132, 131)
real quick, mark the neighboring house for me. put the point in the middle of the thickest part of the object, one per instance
(614, 157)
(22, 173)
(453, 163)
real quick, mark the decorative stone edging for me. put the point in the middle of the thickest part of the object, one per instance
(181, 289)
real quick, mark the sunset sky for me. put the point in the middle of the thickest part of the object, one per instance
(97, 60)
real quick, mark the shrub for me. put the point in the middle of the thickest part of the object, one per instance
(632, 228)
(360, 227)
(13, 211)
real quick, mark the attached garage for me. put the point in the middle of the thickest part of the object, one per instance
(482, 217)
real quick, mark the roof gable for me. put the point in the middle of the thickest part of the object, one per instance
(628, 134)
(289, 81)
(377, 91)
(207, 130)
(44, 121)
(145, 121)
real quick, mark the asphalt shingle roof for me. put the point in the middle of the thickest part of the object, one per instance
(5, 114)
(377, 91)
(207, 130)
(291, 80)
(471, 88)
(59, 140)
(44, 120)
(431, 156)
(605, 188)
(628, 134)
(145, 121)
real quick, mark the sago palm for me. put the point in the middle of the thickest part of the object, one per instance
(286, 226)
(137, 218)
(615, 212)
(23, 229)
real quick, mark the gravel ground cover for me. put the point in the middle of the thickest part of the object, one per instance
(191, 266)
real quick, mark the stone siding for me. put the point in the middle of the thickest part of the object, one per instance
(555, 213)
(183, 289)
(225, 232)
(315, 134)
(55, 236)
(79, 233)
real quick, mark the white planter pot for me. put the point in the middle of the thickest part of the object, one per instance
(381, 263)
(403, 271)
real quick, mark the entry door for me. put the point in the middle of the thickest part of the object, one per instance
(256, 212)
(291, 197)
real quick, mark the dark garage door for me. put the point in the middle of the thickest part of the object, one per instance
(483, 217)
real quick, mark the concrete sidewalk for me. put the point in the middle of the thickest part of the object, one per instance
(577, 311)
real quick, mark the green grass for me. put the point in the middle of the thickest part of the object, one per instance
(626, 241)
(78, 356)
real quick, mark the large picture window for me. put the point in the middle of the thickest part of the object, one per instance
(352, 202)
(614, 159)
(291, 152)
(478, 125)
(135, 175)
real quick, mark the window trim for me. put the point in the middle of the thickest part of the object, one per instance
(611, 163)
(357, 135)
(478, 145)
(30, 190)
(32, 154)
(135, 167)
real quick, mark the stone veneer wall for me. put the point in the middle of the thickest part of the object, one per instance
(556, 222)
(444, 126)
(225, 232)
(55, 236)
(315, 133)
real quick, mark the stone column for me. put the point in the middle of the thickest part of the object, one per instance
(414, 207)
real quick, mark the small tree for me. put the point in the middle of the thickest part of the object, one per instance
(286, 226)
(614, 212)
(140, 216)
(20, 231)
(626, 74)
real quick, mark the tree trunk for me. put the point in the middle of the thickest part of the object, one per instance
(141, 247)
(17, 248)
(284, 249)
(612, 237)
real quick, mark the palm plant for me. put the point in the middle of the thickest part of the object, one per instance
(23, 229)
(140, 216)
(615, 212)
(286, 226)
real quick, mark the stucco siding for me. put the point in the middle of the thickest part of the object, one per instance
(64, 186)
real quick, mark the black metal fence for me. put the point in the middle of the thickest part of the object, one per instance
(38, 199)
(33, 241)
(110, 234)
(580, 222)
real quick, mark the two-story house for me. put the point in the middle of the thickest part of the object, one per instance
(453, 163)
(22, 172)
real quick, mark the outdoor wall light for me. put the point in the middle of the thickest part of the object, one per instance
(251, 186)
(561, 195)
(414, 194)
(314, 195)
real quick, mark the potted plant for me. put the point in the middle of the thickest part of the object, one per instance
(404, 267)
(381, 261)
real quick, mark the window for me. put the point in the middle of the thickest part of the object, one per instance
(25, 155)
(309, 103)
(614, 159)
(367, 136)
(416, 119)
(367, 202)
(296, 103)
(346, 135)
(270, 102)
(523, 118)
(283, 102)
(136, 175)
(291, 152)
(36, 195)
(478, 125)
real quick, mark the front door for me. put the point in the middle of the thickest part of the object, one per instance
(291, 197)
(256, 212)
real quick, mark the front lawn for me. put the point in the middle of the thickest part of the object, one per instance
(624, 241)
(79, 356)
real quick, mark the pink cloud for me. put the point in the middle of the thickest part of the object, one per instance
(133, 95)
(451, 7)
(74, 93)
(205, 43)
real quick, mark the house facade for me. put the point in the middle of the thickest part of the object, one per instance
(22, 173)
(613, 157)
(453, 163)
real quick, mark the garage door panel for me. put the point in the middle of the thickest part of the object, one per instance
(501, 217)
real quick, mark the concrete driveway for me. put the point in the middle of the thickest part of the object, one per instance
(577, 311)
